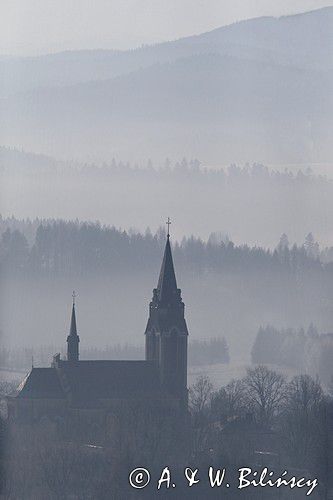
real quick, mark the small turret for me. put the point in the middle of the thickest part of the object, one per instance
(73, 339)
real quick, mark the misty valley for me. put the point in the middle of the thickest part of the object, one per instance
(259, 311)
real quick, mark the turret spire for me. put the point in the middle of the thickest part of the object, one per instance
(73, 339)
(73, 329)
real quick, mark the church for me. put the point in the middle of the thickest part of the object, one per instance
(95, 395)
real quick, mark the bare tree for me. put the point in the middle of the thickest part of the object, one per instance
(330, 387)
(200, 395)
(300, 417)
(7, 386)
(229, 401)
(265, 392)
(304, 394)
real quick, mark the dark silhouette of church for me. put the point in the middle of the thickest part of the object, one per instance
(99, 392)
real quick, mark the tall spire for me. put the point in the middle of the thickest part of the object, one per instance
(167, 285)
(166, 332)
(73, 339)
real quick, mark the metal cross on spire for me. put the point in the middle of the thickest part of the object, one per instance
(168, 222)
(74, 295)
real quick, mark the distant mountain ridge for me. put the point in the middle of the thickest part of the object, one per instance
(264, 34)
(265, 83)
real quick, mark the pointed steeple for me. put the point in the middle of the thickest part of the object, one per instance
(166, 331)
(167, 291)
(73, 339)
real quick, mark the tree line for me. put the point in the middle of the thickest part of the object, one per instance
(61, 247)
(18, 161)
(304, 350)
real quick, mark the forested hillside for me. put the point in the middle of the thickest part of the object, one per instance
(229, 290)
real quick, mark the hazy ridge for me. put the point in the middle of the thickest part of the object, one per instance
(255, 90)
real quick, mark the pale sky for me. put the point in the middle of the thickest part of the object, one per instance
(31, 27)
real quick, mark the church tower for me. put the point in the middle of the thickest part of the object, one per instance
(73, 339)
(166, 332)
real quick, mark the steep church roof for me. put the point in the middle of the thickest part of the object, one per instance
(40, 383)
(88, 381)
